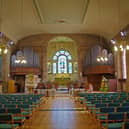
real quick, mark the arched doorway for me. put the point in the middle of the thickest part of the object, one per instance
(62, 60)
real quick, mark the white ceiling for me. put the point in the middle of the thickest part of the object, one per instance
(70, 11)
(20, 18)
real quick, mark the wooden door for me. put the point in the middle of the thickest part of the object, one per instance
(20, 83)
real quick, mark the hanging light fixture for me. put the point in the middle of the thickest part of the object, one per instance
(20, 58)
(122, 44)
(3, 45)
(103, 59)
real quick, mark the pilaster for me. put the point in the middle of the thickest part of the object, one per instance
(5, 70)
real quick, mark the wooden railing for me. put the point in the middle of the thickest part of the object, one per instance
(100, 69)
(25, 70)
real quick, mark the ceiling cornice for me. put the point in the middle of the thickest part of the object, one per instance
(87, 2)
(38, 11)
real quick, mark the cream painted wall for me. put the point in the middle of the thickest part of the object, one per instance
(56, 46)
(41, 42)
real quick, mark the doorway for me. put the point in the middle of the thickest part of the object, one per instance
(20, 83)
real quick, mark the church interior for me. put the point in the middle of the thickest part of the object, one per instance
(64, 64)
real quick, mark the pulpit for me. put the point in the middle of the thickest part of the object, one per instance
(1, 87)
(11, 86)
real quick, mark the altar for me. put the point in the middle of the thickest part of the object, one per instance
(62, 79)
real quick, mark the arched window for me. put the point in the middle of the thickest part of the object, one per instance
(62, 62)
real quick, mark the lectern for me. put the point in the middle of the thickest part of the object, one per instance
(1, 87)
(30, 89)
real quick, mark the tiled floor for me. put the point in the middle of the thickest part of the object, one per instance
(60, 113)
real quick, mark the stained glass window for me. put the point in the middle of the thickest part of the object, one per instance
(54, 57)
(54, 68)
(61, 62)
(70, 67)
(66, 53)
(58, 53)
(69, 57)
(62, 52)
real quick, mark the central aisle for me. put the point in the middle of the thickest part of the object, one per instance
(62, 113)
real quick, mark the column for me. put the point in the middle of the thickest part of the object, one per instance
(121, 70)
(118, 68)
(5, 70)
(127, 63)
(124, 70)
(81, 55)
(44, 62)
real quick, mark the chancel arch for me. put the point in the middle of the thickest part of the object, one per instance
(62, 60)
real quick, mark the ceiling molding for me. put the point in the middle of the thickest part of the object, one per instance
(85, 11)
(79, 16)
(38, 11)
